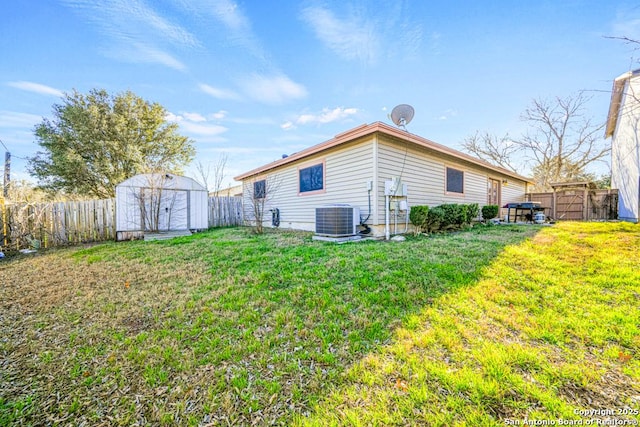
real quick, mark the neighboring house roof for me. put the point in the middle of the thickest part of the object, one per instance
(616, 100)
(365, 130)
(234, 190)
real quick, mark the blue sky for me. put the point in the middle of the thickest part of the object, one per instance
(258, 79)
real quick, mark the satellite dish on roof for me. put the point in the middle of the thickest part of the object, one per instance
(402, 114)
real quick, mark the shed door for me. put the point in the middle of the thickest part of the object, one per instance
(164, 209)
(173, 211)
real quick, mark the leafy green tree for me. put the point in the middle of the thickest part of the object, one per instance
(97, 140)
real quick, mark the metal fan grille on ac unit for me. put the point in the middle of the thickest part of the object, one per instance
(337, 220)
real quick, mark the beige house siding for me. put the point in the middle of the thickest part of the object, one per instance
(513, 192)
(425, 176)
(346, 171)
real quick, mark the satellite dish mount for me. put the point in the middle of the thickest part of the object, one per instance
(401, 115)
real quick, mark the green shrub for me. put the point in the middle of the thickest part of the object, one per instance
(473, 209)
(490, 211)
(436, 219)
(453, 216)
(418, 216)
(449, 216)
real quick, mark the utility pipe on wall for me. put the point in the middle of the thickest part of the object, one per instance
(387, 232)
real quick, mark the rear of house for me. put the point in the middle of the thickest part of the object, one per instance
(356, 166)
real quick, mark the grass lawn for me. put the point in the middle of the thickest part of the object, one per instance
(490, 326)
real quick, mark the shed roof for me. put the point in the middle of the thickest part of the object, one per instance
(616, 99)
(383, 128)
(167, 180)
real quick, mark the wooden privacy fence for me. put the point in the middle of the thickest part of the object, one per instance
(578, 204)
(36, 225)
(51, 224)
(225, 211)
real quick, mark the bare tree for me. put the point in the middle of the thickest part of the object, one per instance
(258, 194)
(156, 202)
(150, 201)
(24, 191)
(212, 175)
(492, 149)
(562, 141)
(218, 172)
(626, 40)
(559, 146)
(203, 172)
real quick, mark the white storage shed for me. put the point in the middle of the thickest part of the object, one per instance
(159, 202)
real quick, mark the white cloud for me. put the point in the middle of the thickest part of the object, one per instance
(135, 31)
(366, 34)
(12, 119)
(195, 124)
(351, 38)
(235, 27)
(194, 117)
(36, 88)
(128, 20)
(202, 129)
(252, 120)
(447, 114)
(220, 115)
(272, 90)
(148, 53)
(218, 93)
(230, 14)
(327, 115)
(164, 28)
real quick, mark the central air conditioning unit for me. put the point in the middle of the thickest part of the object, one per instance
(337, 220)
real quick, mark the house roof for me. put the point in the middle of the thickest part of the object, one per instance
(616, 100)
(383, 128)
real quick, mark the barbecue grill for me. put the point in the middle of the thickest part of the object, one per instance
(523, 210)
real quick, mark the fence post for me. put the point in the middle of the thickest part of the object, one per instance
(5, 223)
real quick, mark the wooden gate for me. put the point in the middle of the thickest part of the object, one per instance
(578, 202)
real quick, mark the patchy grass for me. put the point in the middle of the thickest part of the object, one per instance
(225, 327)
